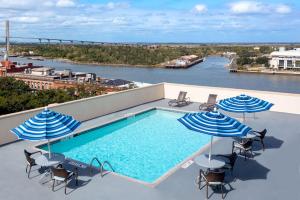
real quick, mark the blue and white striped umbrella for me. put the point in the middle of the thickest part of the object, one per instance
(215, 124)
(45, 126)
(244, 104)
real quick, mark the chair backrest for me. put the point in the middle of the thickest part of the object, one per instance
(28, 158)
(212, 99)
(215, 176)
(263, 134)
(181, 96)
(248, 144)
(59, 172)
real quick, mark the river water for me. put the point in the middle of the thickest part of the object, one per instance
(211, 72)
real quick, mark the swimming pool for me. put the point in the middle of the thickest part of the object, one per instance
(143, 147)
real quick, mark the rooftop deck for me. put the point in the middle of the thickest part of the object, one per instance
(272, 174)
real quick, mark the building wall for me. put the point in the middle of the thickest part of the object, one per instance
(274, 62)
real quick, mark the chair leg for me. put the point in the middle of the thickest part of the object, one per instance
(53, 183)
(206, 191)
(222, 190)
(65, 187)
(29, 171)
(26, 168)
(263, 144)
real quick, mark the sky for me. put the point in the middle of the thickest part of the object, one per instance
(194, 21)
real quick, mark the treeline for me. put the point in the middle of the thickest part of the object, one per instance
(130, 55)
(16, 96)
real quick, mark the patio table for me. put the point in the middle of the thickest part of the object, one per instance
(250, 135)
(45, 161)
(214, 163)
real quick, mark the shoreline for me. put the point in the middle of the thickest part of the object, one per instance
(268, 72)
(64, 60)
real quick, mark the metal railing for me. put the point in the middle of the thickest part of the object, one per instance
(101, 166)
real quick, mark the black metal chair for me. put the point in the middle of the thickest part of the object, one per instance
(212, 178)
(229, 161)
(260, 135)
(30, 160)
(60, 174)
(244, 146)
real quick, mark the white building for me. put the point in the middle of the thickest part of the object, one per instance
(285, 59)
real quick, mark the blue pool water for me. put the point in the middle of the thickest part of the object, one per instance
(143, 147)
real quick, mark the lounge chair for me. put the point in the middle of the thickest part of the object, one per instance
(182, 100)
(244, 146)
(229, 161)
(30, 160)
(260, 135)
(212, 178)
(62, 175)
(210, 104)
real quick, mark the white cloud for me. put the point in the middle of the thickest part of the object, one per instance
(65, 3)
(200, 8)
(26, 19)
(283, 9)
(243, 7)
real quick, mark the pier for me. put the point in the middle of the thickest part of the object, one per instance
(183, 62)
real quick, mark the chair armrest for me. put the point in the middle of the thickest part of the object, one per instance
(32, 153)
(187, 99)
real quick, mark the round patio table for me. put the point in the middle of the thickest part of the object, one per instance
(214, 163)
(250, 135)
(45, 161)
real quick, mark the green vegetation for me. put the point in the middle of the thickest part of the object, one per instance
(132, 54)
(128, 55)
(16, 96)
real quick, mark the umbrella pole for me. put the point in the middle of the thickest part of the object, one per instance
(49, 149)
(210, 150)
(244, 117)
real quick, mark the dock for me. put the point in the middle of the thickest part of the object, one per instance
(182, 64)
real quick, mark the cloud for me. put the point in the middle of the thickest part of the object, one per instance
(200, 8)
(244, 7)
(65, 3)
(283, 9)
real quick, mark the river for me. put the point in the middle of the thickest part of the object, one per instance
(211, 72)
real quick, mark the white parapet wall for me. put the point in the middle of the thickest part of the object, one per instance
(86, 109)
(284, 102)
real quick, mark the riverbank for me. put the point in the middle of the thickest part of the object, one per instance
(269, 72)
(64, 60)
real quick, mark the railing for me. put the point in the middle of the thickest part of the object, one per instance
(101, 166)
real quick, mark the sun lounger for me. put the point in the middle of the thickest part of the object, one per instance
(182, 100)
(210, 104)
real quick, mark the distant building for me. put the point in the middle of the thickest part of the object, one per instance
(285, 59)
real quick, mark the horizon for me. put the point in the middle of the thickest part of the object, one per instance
(164, 21)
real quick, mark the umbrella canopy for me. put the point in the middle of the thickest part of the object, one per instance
(214, 124)
(45, 126)
(244, 104)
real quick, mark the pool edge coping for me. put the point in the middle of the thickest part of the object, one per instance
(161, 178)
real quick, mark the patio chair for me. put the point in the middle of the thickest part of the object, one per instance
(182, 100)
(260, 135)
(30, 161)
(60, 174)
(229, 161)
(210, 104)
(212, 178)
(244, 146)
